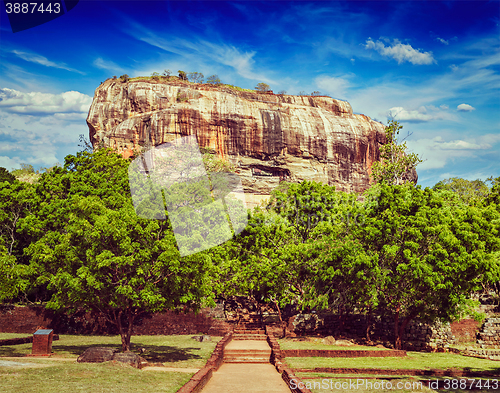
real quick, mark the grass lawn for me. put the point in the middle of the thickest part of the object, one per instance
(414, 360)
(71, 377)
(172, 351)
(61, 373)
(316, 343)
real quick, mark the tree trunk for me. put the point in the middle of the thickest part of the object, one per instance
(125, 331)
(283, 324)
(369, 319)
(399, 330)
(397, 337)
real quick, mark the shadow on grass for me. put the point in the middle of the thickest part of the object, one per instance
(152, 353)
(15, 350)
(165, 353)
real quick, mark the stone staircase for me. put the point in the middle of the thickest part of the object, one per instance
(249, 343)
(253, 355)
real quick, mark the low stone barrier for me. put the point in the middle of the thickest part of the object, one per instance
(293, 382)
(347, 353)
(201, 378)
(197, 381)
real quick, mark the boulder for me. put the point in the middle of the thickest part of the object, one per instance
(329, 340)
(97, 355)
(131, 359)
(202, 339)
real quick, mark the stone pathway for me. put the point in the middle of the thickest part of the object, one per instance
(246, 366)
(246, 377)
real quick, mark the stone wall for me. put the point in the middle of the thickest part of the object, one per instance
(489, 335)
(418, 336)
(28, 319)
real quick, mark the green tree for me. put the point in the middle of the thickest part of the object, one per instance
(431, 258)
(5, 175)
(395, 161)
(11, 272)
(167, 73)
(214, 80)
(182, 75)
(278, 256)
(262, 87)
(196, 77)
(469, 192)
(155, 76)
(93, 252)
(124, 78)
(16, 202)
(493, 197)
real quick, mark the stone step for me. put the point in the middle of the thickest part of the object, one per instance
(260, 337)
(249, 331)
(246, 360)
(247, 352)
(252, 326)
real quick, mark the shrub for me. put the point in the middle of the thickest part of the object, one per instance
(196, 77)
(124, 78)
(214, 80)
(262, 87)
(182, 97)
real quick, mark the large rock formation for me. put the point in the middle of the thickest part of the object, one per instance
(268, 137)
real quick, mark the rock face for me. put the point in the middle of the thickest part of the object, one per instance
(267, 137)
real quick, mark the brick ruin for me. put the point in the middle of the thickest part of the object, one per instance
(218, 321)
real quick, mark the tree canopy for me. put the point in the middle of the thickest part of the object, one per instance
(93, 252)
(395, 160)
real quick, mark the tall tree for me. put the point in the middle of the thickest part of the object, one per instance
(5, 175)
(431, 258)
(262, 87)
(470, 192)
(94, 253)
(395, 160)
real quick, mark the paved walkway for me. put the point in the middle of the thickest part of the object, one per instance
(246, 377)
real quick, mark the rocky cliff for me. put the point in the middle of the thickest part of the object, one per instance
(268, 137)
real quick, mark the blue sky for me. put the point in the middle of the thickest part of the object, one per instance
(433, 65)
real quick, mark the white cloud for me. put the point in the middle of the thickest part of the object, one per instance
(108, 65)
(332, 85)
(401, 52)
(36, 103)
(10, 163)
(39, 59)
(465, 108)
(40, 127)
(423, 113)
(442, 41)
(437, 152)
